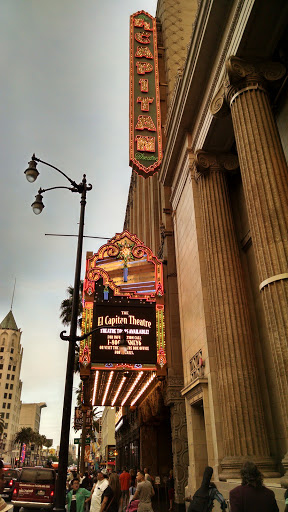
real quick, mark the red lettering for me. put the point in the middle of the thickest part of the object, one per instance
(142, 37)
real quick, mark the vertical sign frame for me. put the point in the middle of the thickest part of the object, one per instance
(145, 115)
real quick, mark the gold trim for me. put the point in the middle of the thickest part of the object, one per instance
(272, 280)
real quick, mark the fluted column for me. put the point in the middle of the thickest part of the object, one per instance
(265, 182)
(244, 431)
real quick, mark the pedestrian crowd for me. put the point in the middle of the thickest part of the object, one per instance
(129, 491)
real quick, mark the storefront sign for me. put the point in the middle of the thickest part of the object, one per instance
(139, 325)
(145, 118)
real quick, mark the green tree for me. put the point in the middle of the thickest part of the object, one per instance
(25, 435)
(65, 316)
(66, 306)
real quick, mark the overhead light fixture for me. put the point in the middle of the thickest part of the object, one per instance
(107, 388)
(31, 172)
(132, 387)
(95, 386)
(118, 390)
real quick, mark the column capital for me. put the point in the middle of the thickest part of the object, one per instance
(175, 384)
(214, 162)
(242, 76)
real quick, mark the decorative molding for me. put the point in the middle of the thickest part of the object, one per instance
(219, 162)
(242, 76)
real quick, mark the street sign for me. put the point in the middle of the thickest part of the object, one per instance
(87, 440)
(77, 441)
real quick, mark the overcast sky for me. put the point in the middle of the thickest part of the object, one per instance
(64, 96)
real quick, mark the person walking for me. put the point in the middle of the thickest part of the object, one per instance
(171, 491)
(77, 497)
(144, 493)
(111, 497)
(125, 479)
(252, 495)
(98, 489)
(203, 499)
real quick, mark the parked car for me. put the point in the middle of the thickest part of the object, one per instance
(35, 488)
(10, 478)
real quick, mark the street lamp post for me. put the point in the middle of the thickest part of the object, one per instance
(82, 188)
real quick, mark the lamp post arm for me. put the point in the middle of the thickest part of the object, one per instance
(41, 190)
(56, 169)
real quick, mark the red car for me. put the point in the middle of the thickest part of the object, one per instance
(35, 488)
(10, 478)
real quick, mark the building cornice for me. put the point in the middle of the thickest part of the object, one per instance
(195, 89)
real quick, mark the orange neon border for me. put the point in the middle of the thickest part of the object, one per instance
(135, 164)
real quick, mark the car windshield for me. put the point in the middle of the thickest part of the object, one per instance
(36, 476)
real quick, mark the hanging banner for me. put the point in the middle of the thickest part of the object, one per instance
(145, 117)
(78, 418)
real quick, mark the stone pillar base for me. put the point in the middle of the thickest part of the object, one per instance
(284, 479)
(231, 467)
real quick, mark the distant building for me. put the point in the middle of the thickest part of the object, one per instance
(73, 451)
(30, 415)
(10, 385)
(108, 442)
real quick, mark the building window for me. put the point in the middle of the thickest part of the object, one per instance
(4, 405)
(10, 396)
(2, 414)
(7, 415)
(12, 350)
(9, 367)
(11, 386)
(2, 349)
(1, 366)
(6, 425)
(14, 368)
(5, 395)
(6, 386)
(12, 377)
(0, 375)
(8, 376)
(8, 406)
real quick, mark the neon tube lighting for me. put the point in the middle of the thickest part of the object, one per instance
(95, 386)
(107, 388)
(148, 382)
(118, 390)
(132, 387)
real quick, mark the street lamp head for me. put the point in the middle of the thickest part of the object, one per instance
(38, 205)
(31, 171)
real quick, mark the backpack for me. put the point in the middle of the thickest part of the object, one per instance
(199, 504)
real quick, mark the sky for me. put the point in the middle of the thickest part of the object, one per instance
(65, 97)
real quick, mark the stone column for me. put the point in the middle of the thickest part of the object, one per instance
(265, 182)
(244, 431)
(176, 403)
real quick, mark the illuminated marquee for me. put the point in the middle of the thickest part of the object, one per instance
(145, 130)
(139, 324)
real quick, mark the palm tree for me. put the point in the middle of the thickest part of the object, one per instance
(66, 313)
(25, 435)
(66, 306)
(2, 426)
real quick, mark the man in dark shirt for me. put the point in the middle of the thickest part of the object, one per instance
(252, 495)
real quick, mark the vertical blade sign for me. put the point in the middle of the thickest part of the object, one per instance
(145, 117)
